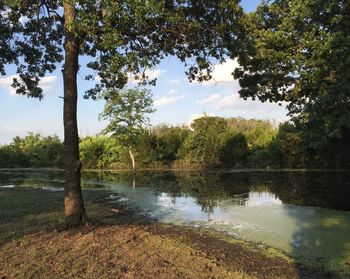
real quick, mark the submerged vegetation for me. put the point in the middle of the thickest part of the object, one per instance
(210, 142)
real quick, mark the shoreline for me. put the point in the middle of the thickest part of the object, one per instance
(224, 170)
(209, 240)
(34, 243)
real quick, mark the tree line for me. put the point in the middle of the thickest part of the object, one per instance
(210, 142)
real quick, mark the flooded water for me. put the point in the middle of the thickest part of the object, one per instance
(304, 214)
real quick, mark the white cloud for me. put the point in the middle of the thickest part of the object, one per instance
(154, 73)
(46, 83)
(97, 77)
(230, 101)
(250, 108)
(210, 100)
(246, 108)
(166, 100)
(173, 81)
(150, 74)
(233, 101)
(5, 13)
(222, 73)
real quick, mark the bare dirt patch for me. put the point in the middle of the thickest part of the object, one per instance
(137, 251)
(107, 252)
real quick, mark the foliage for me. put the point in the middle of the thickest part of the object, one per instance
(127, 114)
(234, 150)
(126, 111)
(263, 158)
(167, 141)
(208, 145)
(259, 133)
(119, 37)
(33, 150)
(287, 147)
(298, 52)
(100, 151)
(11, 156)
(202, 146)
(91, 151)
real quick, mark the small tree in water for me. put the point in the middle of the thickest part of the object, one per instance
(126, 110)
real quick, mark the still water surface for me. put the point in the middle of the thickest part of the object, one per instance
(304, 214)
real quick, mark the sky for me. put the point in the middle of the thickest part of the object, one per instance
(176, 100)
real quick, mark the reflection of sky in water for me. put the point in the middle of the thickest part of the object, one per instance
(185, 209)
(228, 215)
(261, 198)
(304, 232)
(7, 186)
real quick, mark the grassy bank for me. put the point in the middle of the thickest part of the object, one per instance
(34, 243)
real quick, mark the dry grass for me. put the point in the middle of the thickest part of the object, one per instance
(107, 252)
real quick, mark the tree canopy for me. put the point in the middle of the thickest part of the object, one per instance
(120, 37)
(127, 114)
(297, 52)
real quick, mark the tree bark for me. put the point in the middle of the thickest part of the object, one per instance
(132, 161)
(73, 202)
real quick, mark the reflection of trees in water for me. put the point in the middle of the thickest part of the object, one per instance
(32, 178)
(5, 178)
(206, 189)
(320, 189)
(324, 235)
(322, 238)
(210, 188)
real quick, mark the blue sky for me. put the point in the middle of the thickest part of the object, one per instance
(176, 100)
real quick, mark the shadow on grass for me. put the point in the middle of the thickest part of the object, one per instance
(27, 211)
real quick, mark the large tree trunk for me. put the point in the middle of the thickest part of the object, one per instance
(73, 201)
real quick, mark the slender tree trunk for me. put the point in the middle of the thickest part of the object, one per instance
(132, 161)
(133, 180)
(73, 201)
